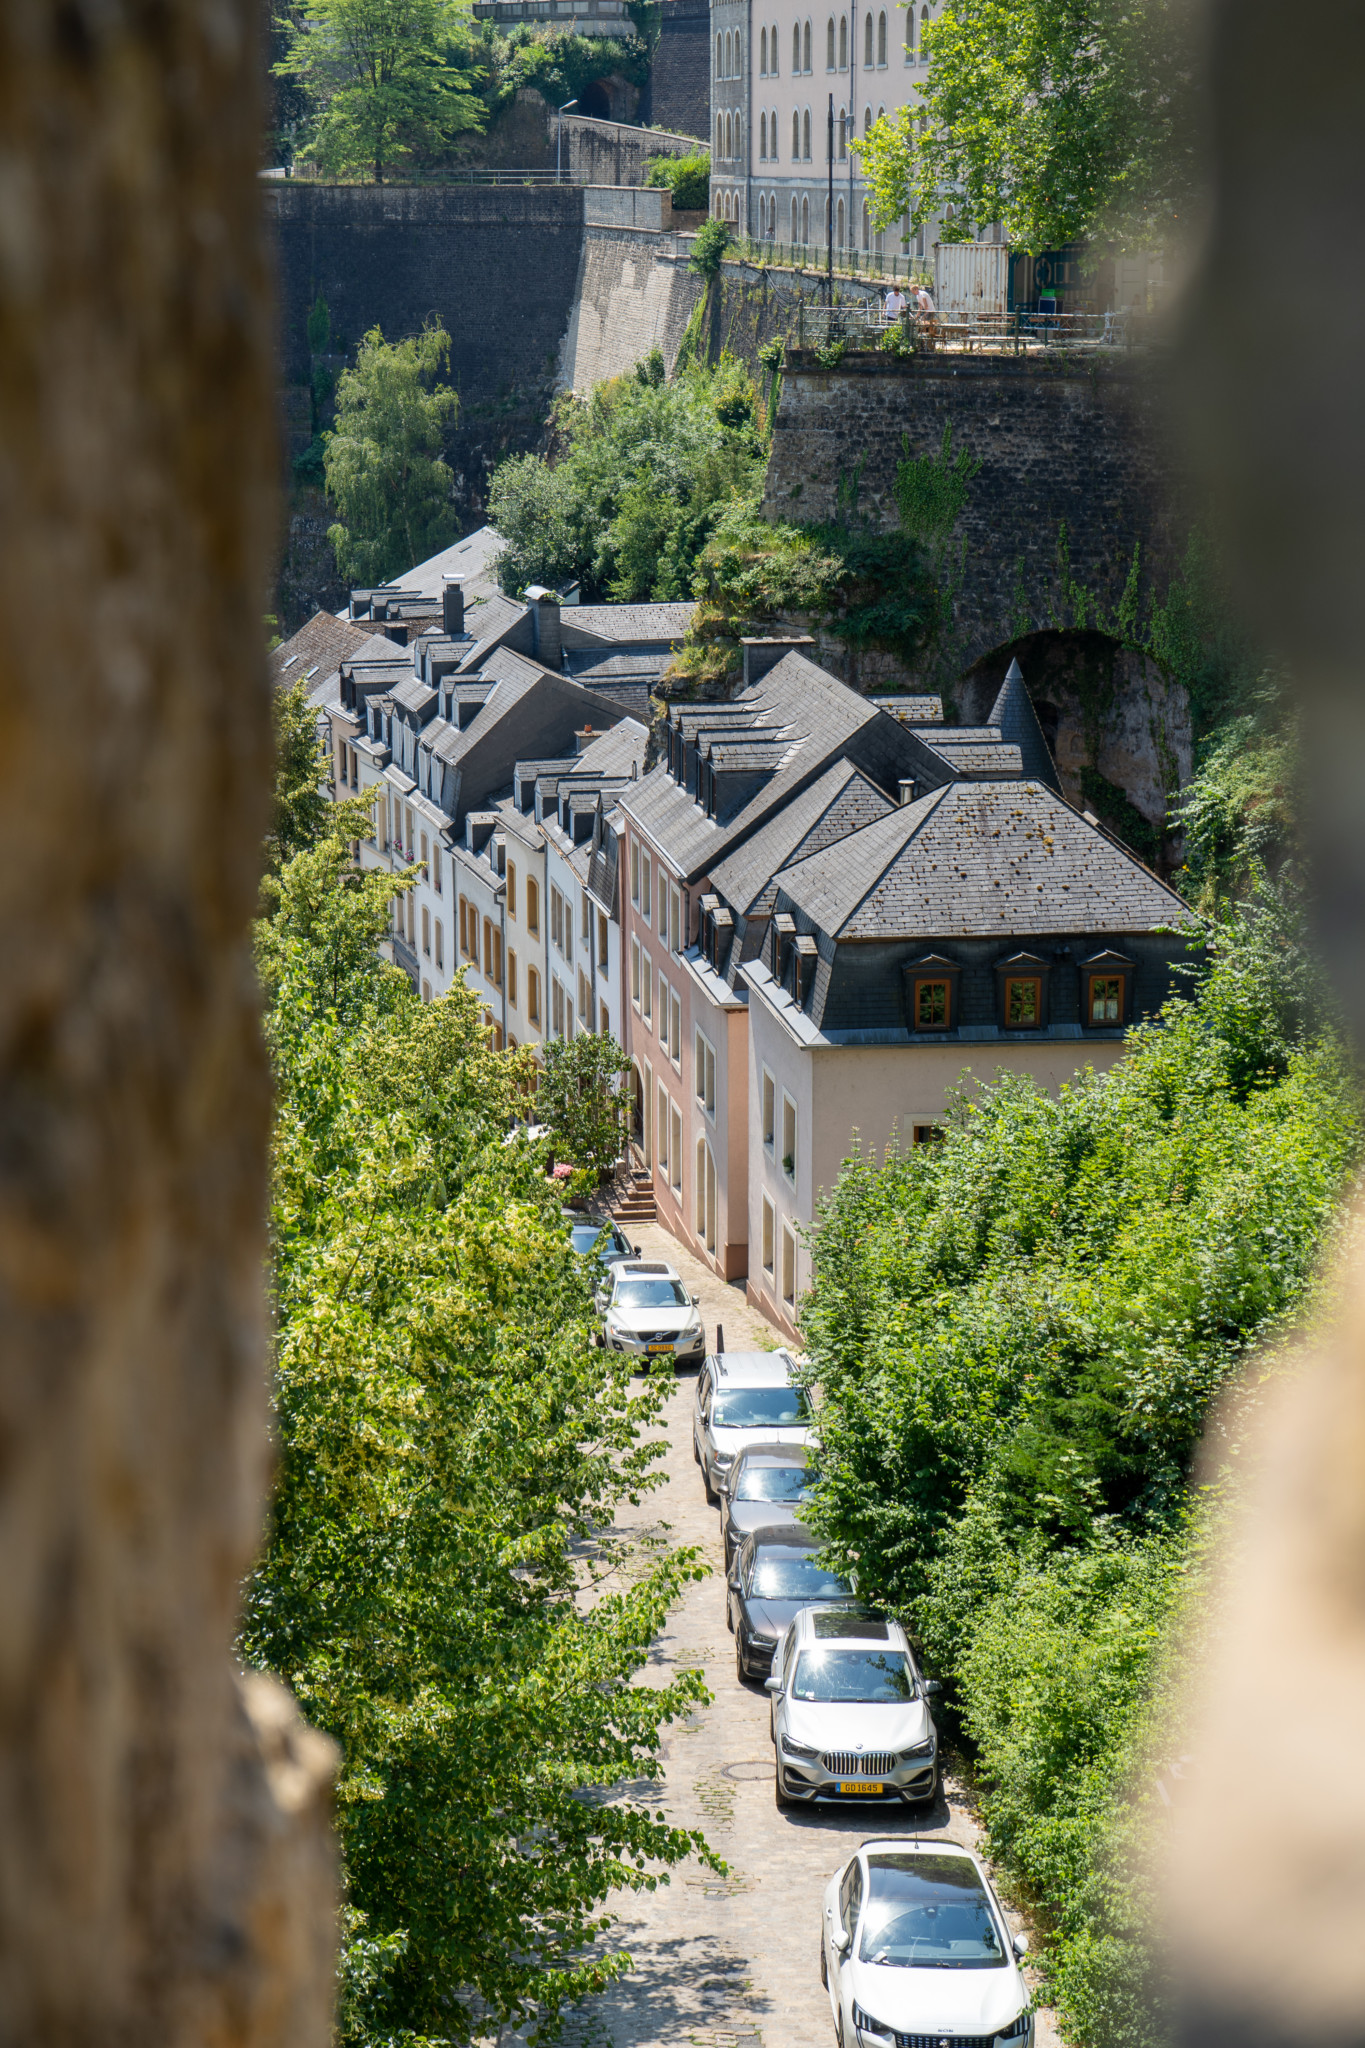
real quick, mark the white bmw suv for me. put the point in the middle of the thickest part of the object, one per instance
(915, 1948)
(850, 1715)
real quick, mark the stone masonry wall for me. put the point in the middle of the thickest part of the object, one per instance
(1059, 442)
(635, 292)
(496, 265)
(680, 86)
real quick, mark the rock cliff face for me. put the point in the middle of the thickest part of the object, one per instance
(166, 1872)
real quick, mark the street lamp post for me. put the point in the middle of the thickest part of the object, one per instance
(559, 141)
(829, 204)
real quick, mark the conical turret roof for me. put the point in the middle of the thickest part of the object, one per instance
(1013, 712)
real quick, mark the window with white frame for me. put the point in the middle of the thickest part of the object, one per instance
(769, 1238)
(635, 872)
(646, 903)
(788, 1136)
(675, 1028)
(664, 1128)
(675, 921)
(663, 909)
(768, 1096)
(647, 987)
(664, 993)
(675, 1146)
(788, 1267)
(585, 923)
(704, 1073)
(635, 972)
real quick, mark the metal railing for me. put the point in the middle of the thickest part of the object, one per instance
(466, 175)
(864, 324)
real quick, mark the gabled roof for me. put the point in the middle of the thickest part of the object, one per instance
(837, 804)
(471, 559)
(817, 718)
(974, 860)
(1013, 712)
(320, 647)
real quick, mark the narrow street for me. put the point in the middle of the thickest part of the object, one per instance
(720, 1961)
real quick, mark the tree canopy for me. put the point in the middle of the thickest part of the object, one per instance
(382, 460)
(381, 81)
(1058, 118)
(440, 1587)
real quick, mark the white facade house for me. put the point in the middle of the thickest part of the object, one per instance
(775, 68)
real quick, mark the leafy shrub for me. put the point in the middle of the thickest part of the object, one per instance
(688, 178)
(1017, 1335)
(713, 239)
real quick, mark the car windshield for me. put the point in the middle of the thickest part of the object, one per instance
(774, 1482)
(880, 1677)
(585, 1235)
(795, 1575)
(650, 1294)
(760, 1407)
(928, 1912)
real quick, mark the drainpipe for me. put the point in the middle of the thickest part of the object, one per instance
(501, 894)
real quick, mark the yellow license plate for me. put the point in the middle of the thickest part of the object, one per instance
(859, 1786)
(658, 1347)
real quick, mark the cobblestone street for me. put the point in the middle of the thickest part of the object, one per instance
(736, 1959)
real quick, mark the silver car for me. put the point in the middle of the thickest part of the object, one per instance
(650, 1314)
(743, 1398)
(850, 1717)
(767, 1484)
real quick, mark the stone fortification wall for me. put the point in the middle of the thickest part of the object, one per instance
(497, 265)
(1059, 442)
(612, 153)
(680, 84)
(635, 292)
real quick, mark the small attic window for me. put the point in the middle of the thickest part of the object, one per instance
(1023, 1002)
(933, 1005)
(1104, 999)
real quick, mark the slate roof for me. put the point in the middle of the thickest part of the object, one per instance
(1013, 712)
(516, 677)
(975, 860)
(643, 623)
(978, 759)
(912, 710)
(321, 646)
(816, 716)
(471, 559)
(614, 752)
(837, 803)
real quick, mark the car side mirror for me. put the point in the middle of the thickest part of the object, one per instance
(773, 1684)
(696, 1301)
(635, 1251)
(933, 1688)
(1020, 1945)
(843, 1941)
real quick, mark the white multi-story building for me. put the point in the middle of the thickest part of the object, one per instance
(775, 67)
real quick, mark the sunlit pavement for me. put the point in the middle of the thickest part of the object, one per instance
(732, 1959)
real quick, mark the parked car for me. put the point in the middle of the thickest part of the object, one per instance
(767, 1484)
(776, 1573)
(743, 1398)
(602, 1239)
(650, 1314)
(915, 1947)
(850, 1717)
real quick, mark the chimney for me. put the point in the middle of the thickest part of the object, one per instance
(583, 740)
(761, 654)
(909, 790)
(452, 607)
(543, 606)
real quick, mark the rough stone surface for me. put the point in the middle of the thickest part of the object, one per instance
(634, 293)
(1080, 444)
(726, 1960)
(680, 82)
(165, 1864)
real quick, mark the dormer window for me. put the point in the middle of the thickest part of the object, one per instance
(1106, 991)
(931, 993)
(1022, 983)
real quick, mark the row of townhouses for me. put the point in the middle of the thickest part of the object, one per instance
(808, 916)
(775, 68)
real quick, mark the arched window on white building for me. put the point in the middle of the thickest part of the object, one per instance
(867, 120)
(805, 49)
(805, 136)
(796, 47)
(843, 42)
(805, 222)
(843, 136)
(867, 44)
(881, 41)
(720, 136)
(796, 143)
(720, 58)
(739, 145)
(763, 138)
(910, 35)
(772, 51)
(923, 25)
(739, 55)
(839, 225)
(829, 44)
(763, 53)
(729, 61)
(796, 223)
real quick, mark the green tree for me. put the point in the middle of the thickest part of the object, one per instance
(380, 77)
(688, 178)
(580, 1098)
(441, 1587)
(1057, 118)
(382, 460)
(300, 808)
(711, 242)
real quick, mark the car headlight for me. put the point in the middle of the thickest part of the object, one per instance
(803, 1749)
(723, 1458)
(1016, 2029)
(874, 2029)
(917, 1749)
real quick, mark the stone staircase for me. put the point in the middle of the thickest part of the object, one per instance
(632, 1195)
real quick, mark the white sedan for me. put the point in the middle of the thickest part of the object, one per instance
(915, 1945)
